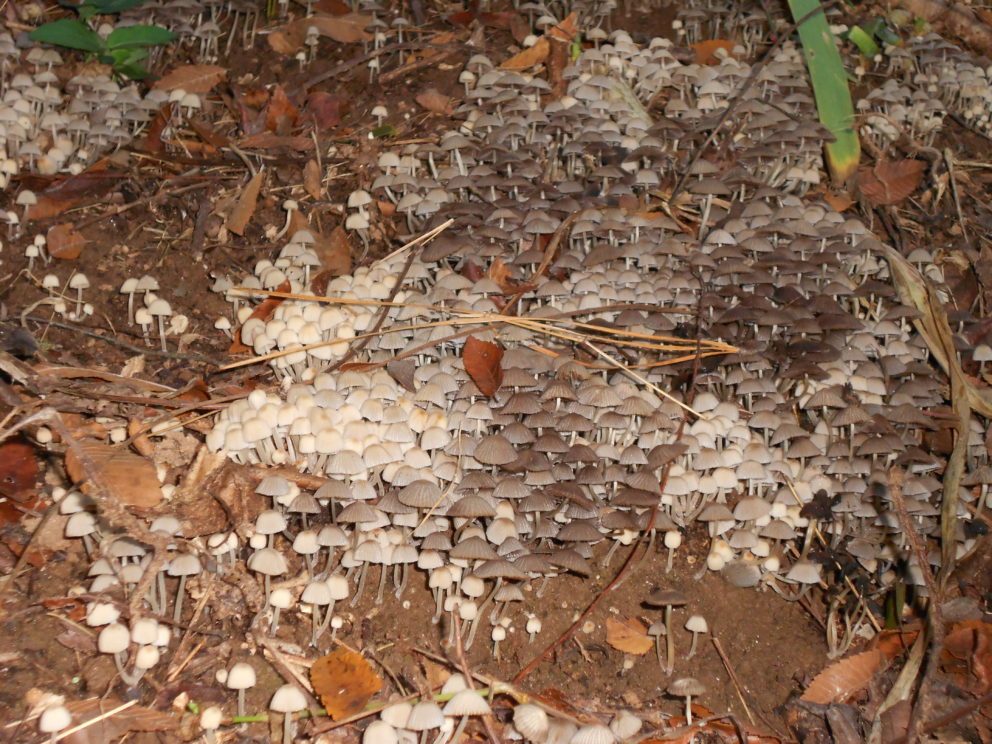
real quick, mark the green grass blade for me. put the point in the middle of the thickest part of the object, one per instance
(833, 97)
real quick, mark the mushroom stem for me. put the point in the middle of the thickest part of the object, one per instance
(692, 645)
(669, 641)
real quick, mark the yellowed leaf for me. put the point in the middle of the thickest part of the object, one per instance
(530, 57)
(311, 179)
(238, 220)
(131, 479)
(192, 78)
(628, 635)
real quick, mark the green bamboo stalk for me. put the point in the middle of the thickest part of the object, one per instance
(833, 97)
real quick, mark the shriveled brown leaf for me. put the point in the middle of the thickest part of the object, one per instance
(64, 242)
(529, 57)
(334, 251)
(890, 182)
(132, 480)
(967, 653)
(839, 681)
(311, 179)
(567, 29)
(242, 213)
(326, 109)
(344, 681)
(280, 113)
(269, 141)
(345, 29)
(435, 101)
(192, 78)
(482, 361)
(628, 635)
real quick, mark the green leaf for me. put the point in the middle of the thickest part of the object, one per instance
(132, 71)
(833, 97)
(138, 36)
(101, 7)
(384, 132)
(866, 45)
(68, 32)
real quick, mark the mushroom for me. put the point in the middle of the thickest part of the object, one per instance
(669, 599)
(687, 687)
(290, 205)
(160, 309)
(696, 624)
(673, 540)
(53, 719)
(287, 700)
(144, 319)
(183, 565)
(240, 677)
(211, 718)
(79, 282)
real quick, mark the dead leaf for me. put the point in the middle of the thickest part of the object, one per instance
(529, 57)
(269, 141)
(706, 51)
(839, 200)
(629, 635)
(242, 213)
(334, 251)
(311, 179)
(326, 109)
(192, 78)
(344, 681)
(18, 479)
(435, 101)
(345, 29)
(967, 652)
(491, 19)
(64, 242)
(482, 362)
(498, 272)
(567, 30)
(263, 311)
(152, 141)
(131, 479)
(839, 681)
(890, 182)
(280, 113)
(112, 728)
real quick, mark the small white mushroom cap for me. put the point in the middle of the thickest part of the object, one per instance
(53, 719)
(113, 639)
(288, 699)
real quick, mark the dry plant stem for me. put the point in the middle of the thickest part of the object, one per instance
(949, 160)
(157, 196)
(738, 687)
(751, 79)
(387, 77)
(935, 618)
(8, 580)
(175, 670)
(487, 720)
(362, 58)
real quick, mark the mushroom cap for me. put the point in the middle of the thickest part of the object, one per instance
(685, 687)
(241, 676)
(593, 734)
(288, 699)
(113, 639)
(697, 624)
(666, 597)
(379, 732)
(54, 718)
(467, 703)
(531, 721)
(79, 281)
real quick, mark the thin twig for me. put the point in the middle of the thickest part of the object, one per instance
(738, 687)
(487, 719)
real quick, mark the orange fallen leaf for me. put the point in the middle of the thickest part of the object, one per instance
(132, 480)
(629, 635)
(280, 113)
(567, 29)
(968, 653)
(529, 57)
(706, 51)
(64, 242)
(241, 215)
(269, 141)
(839, 200)
(18, 479)
(890, 182)
(344, 682)
(192, 78)
(842, 679)
(482, 362)
(311, 179)
(263, 311)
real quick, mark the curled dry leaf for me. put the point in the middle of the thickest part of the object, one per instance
(842, 679)
(131, 479)
(629, 635)
(64, 242)
(18, 479)
(967, 653)
(238, 220)
(280, 113)
(435, 101)
(890, 182)
(344, 682)
(529, 57)
(311, 179)
(482, 362)
(345, 29)
(192, 78)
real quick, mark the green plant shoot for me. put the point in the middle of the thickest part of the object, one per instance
(833, 97)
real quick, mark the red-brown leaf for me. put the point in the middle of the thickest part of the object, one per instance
(890, 182)
(242, 213)
(344, 681)
(192, 78)
(435, 101)
(840, 680)
(64, 242)
(326, 109)
(482, 362)
(281, 114)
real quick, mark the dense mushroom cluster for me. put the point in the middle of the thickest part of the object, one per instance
(825, 393)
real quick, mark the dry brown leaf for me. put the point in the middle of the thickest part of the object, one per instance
(890, 182)
(192, 78)
(344, 681)
(435, 101)
(280, 113)
(839, 200)
(968, 653)
(131, 479)
(567, 29)
(482, 362)
(269, 141)
(345, 29)
(706, 51)
(64, 242)
(311, 179)
(112, 728)
(839, 681)
(263, 311)
(334, 251)
(529, 57)
(629, 635)
(326, 108)
(242, 213)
